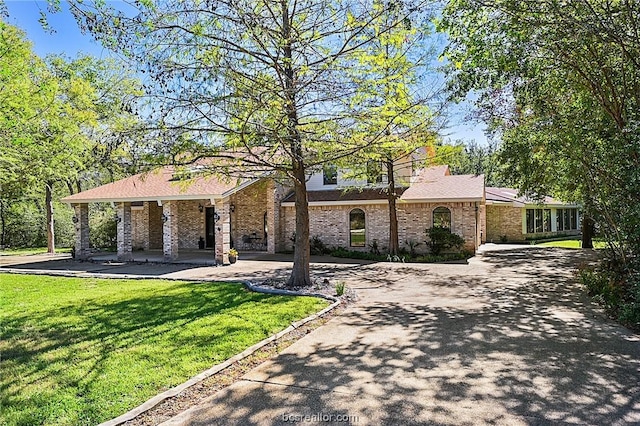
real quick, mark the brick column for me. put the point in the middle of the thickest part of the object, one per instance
(145, 225)
(170, 230)
(124, 231)
(82, 230)
(274, 195)
(223, 232)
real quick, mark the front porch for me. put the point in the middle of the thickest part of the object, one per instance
(187, 256)
(189, 228)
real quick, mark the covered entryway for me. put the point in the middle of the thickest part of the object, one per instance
(210, 227)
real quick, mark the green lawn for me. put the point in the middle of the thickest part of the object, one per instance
(573, 243)
(30, 251)
(82, 351)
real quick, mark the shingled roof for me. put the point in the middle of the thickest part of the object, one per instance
(436, 184)
(160, 184)
(510, 196)
(338, 195)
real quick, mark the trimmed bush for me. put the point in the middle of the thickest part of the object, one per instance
(442, 239)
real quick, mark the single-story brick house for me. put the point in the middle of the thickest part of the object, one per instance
(164, 210)
(517, 218)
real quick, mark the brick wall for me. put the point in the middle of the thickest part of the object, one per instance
(415, 218)
(248, 218)
(155, 225)
(191, 223)
(331, 224)
(140, 224)
(504, 221)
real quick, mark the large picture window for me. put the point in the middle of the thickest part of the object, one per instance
(538, 220)
(567, 219)
(357, 228)
(442, 218)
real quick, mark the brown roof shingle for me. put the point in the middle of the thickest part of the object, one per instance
(160, 184)
(332, 195)
(436, 185)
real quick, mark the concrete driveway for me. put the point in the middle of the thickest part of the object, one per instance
(506, 340)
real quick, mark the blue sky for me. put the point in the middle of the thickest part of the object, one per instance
(67, 39)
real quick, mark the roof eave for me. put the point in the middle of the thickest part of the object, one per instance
(67, 200)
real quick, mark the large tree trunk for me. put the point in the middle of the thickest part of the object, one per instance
(394, 245)
(300, 275)
(51, 239)
(587, 232)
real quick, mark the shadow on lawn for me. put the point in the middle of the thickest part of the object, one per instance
(91, 332)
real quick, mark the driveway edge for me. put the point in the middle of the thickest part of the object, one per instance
(148, 405)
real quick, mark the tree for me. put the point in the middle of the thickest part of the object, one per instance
(559, 82)
(260, 85)
(391, 72)
(57, 117)
(472, 158)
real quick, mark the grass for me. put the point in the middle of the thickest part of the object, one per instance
(573, 244)
(31, 251)
(81, 351)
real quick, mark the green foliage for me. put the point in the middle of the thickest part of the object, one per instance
(472, 158)
(413, 245)
(442, 239)
(103, 227)
(62, 124)
(340, 287)
(564, 97)
(317, 246)
(602, 287)
(354, 254)
(93, 349)
(427, 258)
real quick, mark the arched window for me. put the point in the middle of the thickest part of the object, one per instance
(357, 228)
(442, 218)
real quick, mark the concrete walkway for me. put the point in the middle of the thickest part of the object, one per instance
(506, 339)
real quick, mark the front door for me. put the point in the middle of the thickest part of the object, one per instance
(210, 228)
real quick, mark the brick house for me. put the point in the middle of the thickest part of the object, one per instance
(516, 218)
(170, 211)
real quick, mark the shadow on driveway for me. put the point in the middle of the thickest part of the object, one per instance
(509, 339)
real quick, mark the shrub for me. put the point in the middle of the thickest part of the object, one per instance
(602, 287)
(317, 246)
(442, 239)
(340, 286)
(373, 248)
(103, 228)
(352, 254)
(412, 247)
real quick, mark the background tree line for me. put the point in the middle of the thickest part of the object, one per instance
(559, 83)
(66, 125)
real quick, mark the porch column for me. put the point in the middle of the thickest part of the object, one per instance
(170, 230)
(81, 220)
(273, 215)
(223, 232)
(124, 232)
